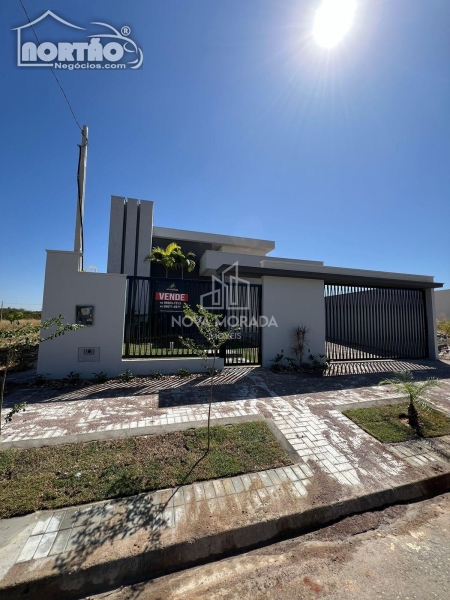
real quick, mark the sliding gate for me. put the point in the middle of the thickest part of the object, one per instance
(374, 323)
(154, 330)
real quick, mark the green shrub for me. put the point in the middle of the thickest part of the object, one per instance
(184, 373)
(73, 378)
(127, 375)
(156, 375)
(100, 377)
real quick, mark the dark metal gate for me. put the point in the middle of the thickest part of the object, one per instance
(150, 333)
(375, 323)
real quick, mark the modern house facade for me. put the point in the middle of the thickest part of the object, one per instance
(133, 313)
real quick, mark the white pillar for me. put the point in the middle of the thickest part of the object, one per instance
(433, 352)
(292, 302)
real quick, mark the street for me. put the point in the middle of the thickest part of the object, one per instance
(402, 552)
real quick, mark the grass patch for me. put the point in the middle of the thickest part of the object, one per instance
(389, 423)
(56, 476)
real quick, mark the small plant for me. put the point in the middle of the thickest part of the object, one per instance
(404, 383)
(184, 373)
(299, 341)
(213, 338)
(156, 375)
(212, 372)
(282, 363)
(100, 377)
(319, 362)
(278, 362)
(291, 364)
(73, 378)
(127, 375)
(21, 407)
(40, 379)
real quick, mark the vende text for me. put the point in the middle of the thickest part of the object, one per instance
(171, 296)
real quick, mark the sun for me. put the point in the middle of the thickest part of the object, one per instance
(333, 20)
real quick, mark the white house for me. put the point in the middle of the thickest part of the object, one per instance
(132, 312)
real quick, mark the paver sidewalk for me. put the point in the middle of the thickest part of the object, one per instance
(337, 463)
(83, 549)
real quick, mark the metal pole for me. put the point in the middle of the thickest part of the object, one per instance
(81, 181)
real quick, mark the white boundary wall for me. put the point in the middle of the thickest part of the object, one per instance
(291, 301)
(66, 287)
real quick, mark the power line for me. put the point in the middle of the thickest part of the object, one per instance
(53, 72)
(24, 303)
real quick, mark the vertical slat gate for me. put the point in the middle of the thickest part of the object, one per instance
(152, 334)
(374, 323)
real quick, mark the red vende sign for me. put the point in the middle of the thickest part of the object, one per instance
(171, 296)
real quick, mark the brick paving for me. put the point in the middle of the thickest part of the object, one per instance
(306, 410)
(57, 532)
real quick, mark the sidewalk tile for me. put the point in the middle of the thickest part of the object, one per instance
(69, 518)
(199, 491)
(188, 492)
(30, 548)
(274, 477)
(82, 517)
(228, 486)
(59, 545)
(42, 524)
(246, 481)
(281, 475)
(55, 522)
(238, 484)
(290, 473)
(45, 545)
(178, 498)
(265, 478)
(219, 488)
(180, 513)
(300, 488)
(263, 494)
(209, 490)
(76, 539)
(168, 518)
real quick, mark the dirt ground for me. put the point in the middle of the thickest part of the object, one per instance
(402, 552)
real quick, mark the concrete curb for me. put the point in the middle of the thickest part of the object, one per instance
(115, 434)
(152, 563)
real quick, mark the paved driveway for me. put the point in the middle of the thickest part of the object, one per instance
(307, 410)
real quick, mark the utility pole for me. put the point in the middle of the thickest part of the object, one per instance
(81, 181)
(1, 312)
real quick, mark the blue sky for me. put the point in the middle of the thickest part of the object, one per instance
(237, 123)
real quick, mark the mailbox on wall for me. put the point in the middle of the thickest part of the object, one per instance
(85, 315)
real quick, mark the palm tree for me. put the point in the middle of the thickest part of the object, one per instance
(404, 383)
(164, 256)
(183, 261)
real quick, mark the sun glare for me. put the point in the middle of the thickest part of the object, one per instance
(333, 20)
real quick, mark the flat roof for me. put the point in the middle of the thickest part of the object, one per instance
(213, 238)
(337, 276)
